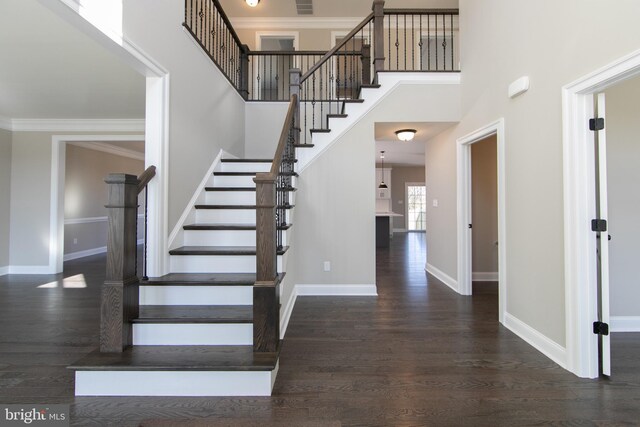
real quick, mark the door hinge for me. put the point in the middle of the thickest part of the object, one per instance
(596, 124)
(599, 225)
(470, 226)
(600, 328)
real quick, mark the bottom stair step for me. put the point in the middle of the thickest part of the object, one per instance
(177, 371)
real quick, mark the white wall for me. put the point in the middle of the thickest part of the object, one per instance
(501, 41)
(484, 205)
(335, 207)
(263, 125)
(5, 196)
(623, 174)
(86, 194)
(206, 113)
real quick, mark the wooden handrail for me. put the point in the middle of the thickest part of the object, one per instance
(296, 52)
(421, 11)
(284, 137)
(337, 47)
(145, 177)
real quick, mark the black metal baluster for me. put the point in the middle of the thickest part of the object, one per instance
(397, 44)
(453, 67)
(444, 43)
(388, 60)
(436, 20)
(420, 43)
(405, 41)
(146, 229)
(428, 42)
(413, 43)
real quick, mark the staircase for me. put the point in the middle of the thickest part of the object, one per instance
(193, 335)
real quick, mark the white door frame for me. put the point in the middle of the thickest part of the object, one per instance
(464, 211)
(579, 210)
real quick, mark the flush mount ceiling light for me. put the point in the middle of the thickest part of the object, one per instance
(405, 134)
(382, 184)
(252, 3)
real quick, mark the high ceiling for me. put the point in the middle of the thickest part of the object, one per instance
(51, 70)
(323, 8)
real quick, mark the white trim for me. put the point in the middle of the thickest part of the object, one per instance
(82, 254)
(4, 270)
(442, 276)
(287, 311)
(30, 269)
(110, 149)
(625, 324)
(5, 123)
(77, 125)
(543, 344)
(295, 23)
(56, 213)
(177, 234)
(485, 276)
(295, 35)
(336, 290)
(579, 208)
(87, 220)
(464, 143)
(403, 230)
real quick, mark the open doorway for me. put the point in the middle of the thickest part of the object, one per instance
(490, 244)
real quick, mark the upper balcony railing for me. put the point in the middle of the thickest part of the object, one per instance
(386, 40)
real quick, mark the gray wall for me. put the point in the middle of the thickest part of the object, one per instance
(5, 195)
(484, 205)
(206, 113)
(400, 175)
(86, 195)
(623, 175)
(501, 41)
(263, 125)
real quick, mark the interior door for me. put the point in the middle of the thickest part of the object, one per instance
(604, 347)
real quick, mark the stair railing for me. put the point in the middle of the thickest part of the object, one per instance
(120, 291)
(209, 25)
(273, 190)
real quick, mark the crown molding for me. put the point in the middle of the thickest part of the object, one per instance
(294, 23)
(73, 125)
(109, 148)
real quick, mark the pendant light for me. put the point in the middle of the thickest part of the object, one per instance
(382, 184)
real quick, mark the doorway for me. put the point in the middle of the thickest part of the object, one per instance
(465, 257)
(416, 202)
(271, 71)
(583, 305)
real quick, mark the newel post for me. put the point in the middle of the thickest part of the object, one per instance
(244, 72)
(366, 64)
(378, 37)
(266, 310)
(119, 301)
(294, 89)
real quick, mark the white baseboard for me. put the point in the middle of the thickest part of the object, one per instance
(484, 276)
(4, 270)
(442, 276)
(399, 230)
(31, 269)
(540, 342)
(625, 323)
(85, 253)
(336, 290)
(285, 314)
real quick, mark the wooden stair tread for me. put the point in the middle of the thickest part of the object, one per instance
(204, 279)
(249, 173)
(353, 100)
(370, 86)
(195, 314)
(337, 116)
(179, 358)
(236, 206)
(320, 130)
(244, 189)
(303, 145)
(219, 250)
(223, 226)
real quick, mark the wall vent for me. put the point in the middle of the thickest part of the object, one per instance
(305, 7)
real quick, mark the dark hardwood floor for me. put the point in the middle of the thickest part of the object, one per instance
(417, 355)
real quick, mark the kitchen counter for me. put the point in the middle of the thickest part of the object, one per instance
(384, 230)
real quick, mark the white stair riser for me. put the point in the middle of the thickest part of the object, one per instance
(175, 383)
(192, 334)
(233, 181)
(215, 263)
(227, 216)
(230, 197)
(246, 167)
(196, 295)
(223, 237)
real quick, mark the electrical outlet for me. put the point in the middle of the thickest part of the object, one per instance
(435, 203)
(327, 266)
(75, 241)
